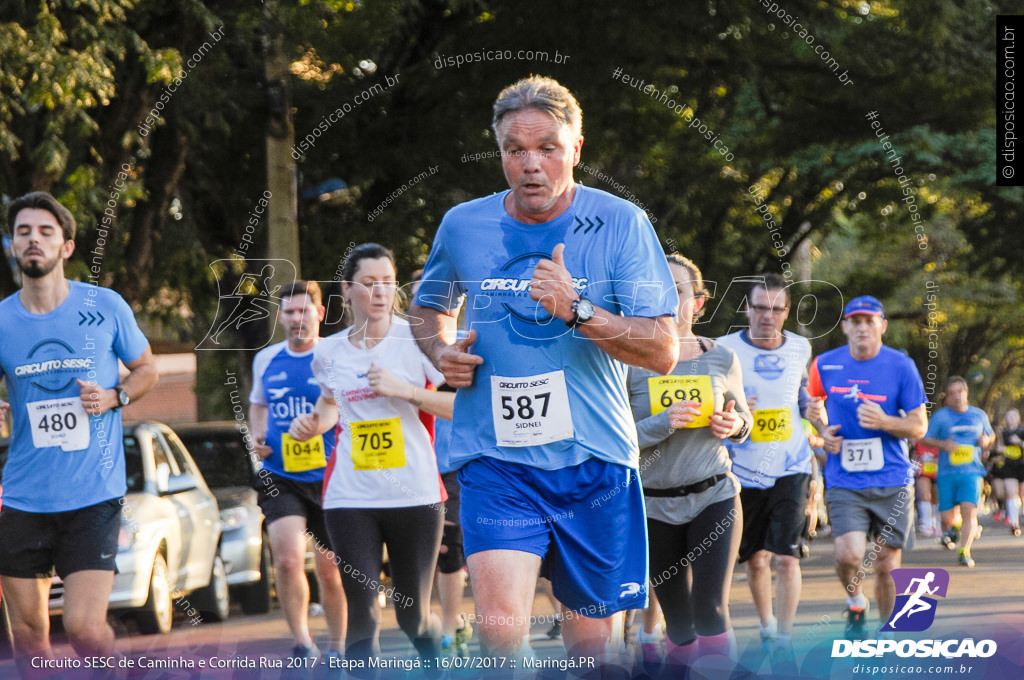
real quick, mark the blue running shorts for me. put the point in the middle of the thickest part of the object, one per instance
(587, 522)
(957, 489)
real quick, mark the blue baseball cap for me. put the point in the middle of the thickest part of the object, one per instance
(865, 304)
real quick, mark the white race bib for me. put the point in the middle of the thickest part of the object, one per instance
(862, 455)
(531, 410)
(59, 422)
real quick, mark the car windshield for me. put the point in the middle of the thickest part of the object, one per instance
(133, 463)
(221, 457)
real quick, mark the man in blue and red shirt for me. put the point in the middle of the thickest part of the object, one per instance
(874, 399)
(290, 496)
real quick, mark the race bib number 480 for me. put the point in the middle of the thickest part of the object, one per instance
(59, 422)
(862, 455)
(669, 389)
(531, 410)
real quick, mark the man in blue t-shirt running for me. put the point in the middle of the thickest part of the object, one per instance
(874, 400)
(64, 479)
(542, 415)
(962, 433)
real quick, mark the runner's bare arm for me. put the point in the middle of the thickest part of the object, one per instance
(433, 334)
(323, 418)
(940, 444)
(911, 426)
(387, 384)
(142, 375)
(649, 343)
(258, 428)
(637, 341)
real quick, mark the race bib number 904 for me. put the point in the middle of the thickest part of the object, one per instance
(771, 424)
(59, 422)
(531, 410)
(669, 389)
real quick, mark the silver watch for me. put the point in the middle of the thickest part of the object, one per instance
(582, 312)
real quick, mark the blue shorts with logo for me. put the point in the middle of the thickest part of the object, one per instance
(587, 523)
(956, 489)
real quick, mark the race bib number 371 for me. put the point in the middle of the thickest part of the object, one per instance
(862, 455)
(59, 422)
(531, 410)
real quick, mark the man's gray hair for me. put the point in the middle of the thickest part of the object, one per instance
(543, 94)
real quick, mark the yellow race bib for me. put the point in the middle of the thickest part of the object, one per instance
(962, 455)
(1013, 452)
(930, 469)
(669, 389)
(771, 424)
(378, 444)
(302, 456)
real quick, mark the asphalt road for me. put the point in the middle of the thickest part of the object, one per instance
(984, 602)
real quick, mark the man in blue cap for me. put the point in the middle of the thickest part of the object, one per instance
(874, 400)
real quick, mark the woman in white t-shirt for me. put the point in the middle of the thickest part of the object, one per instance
(381, 485)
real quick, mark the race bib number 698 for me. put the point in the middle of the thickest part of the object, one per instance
(669, 389)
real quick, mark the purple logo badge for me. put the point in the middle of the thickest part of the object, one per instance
(915, 607)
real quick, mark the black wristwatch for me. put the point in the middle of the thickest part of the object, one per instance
(582, 312)
(122, 398)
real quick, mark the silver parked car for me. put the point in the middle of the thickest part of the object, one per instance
(169, 547)
(232, 473)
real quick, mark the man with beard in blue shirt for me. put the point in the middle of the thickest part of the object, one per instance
(65, 475)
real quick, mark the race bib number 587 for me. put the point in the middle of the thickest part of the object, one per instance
(531, 410)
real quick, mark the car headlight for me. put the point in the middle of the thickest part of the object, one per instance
(232, 518)
(126, 536)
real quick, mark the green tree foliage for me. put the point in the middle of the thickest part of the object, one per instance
(77, 79)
